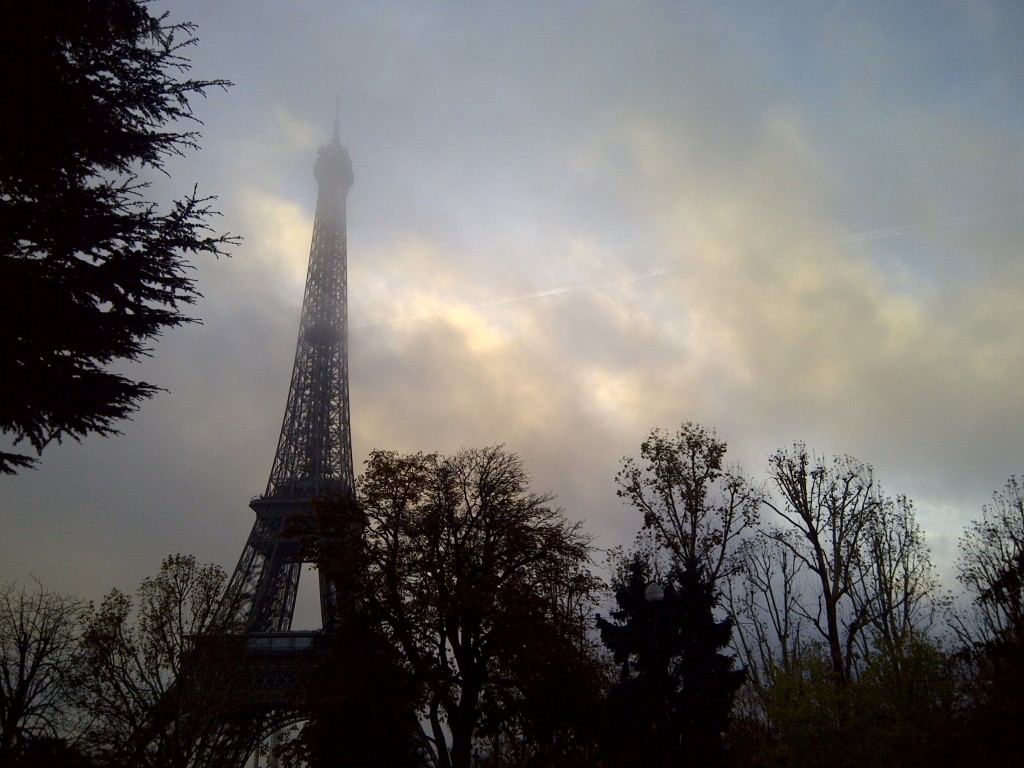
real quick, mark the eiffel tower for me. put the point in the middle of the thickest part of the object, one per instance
(268, 664)
(314, 451)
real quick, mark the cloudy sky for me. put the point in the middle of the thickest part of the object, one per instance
(573, 222)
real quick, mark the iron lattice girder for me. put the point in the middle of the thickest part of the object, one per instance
(314, 451)
(264, 669)
(264, 586)
(258, 681)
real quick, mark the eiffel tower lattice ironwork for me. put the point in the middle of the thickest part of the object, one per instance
(314, 451)
(270, 664)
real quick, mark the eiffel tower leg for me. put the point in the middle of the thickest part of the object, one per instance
(265, 583)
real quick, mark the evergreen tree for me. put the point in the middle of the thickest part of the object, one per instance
(676, 687)
(91, 271)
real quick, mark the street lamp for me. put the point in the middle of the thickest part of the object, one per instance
(654, 592)
(656, 676)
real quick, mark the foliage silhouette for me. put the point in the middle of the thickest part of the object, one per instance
(676, 686)
(48, 752)
(38, 669)
(91, 270)
(461, 639)
(361, 700)
(141, 671)
(482, 586)
(696, 508)
(991, 567)
(361, 704)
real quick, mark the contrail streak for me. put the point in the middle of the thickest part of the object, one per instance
(881, 234)
(580, 288)
(905, 229)
(544, 293)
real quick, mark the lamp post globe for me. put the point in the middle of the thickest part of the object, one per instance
(654, 592)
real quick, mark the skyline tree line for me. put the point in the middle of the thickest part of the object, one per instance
(799, 620)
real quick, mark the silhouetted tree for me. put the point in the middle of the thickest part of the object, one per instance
(38, 668)
(361, 704)
(897, 590)
(993, 729)
(361, 700)
(834, 606)
(91, 271)
(826, 515)
(48, 753)
(480, 584)
(676, 686)
(695, 514)
(642, 641)
(842, 563)
(991, 566)
(709, 677)
(551, 714)
(696, 509)
(140, 667)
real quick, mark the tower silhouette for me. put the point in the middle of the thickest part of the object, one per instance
(314, 451)
(261, 671)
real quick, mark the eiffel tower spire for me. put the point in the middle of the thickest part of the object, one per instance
(314, 452)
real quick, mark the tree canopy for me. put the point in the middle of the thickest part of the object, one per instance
(38, 636)
(991, 565)
(696, 508)
(676, 684)
(469, 602)
(142, 666)
(482, 585)
(91, 269)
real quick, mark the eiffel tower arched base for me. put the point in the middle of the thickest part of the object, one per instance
(263, 680)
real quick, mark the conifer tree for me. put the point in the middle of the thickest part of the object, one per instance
(676, 686)
(91, 269)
